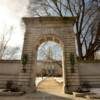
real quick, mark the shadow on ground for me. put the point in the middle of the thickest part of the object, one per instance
(49, 89)
(39, 95)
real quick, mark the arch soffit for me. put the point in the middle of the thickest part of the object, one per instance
(49, 37)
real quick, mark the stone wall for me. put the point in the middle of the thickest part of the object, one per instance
(90, 72)
(9, 70)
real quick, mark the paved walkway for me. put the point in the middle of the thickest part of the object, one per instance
(50, 85)
(49, 89)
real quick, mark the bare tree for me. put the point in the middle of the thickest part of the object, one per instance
(7, 52)
(48, 59)
(87, 13)
(35, 8)
(11, 53)
(47, 55)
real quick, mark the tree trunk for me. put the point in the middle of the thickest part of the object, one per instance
(79, 47)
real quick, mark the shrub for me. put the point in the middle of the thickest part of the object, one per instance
(72, 62)
(24, 61)
(86, 86)
(9, 85)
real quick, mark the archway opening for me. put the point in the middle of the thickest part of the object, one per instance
(49, 67)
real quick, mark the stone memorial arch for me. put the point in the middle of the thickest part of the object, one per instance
(59, 30)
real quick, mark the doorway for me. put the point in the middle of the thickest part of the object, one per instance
(49, 67)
